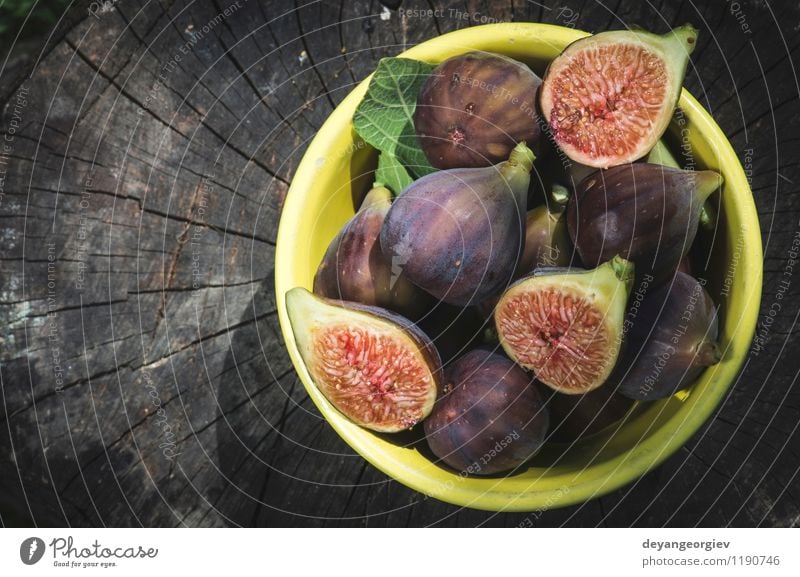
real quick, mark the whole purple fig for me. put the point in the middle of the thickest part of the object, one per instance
(490, 419)
(457, 233)
(474, 108)
(645, 212)
(671, 341)
(355, 269)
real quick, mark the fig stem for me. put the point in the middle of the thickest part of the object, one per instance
(706, 182)
(521, 157)
(623, 269)
(377, 195)
(559, 195)
(708, 353)
(517, 171)
(707, 216)
(685, 35)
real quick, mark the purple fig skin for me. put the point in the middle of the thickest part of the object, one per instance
(671, 341)
(574, 417)
(474, 108)
(491, 418)
(457, 233)
(646, 213)
(546, 244)
(355, 269)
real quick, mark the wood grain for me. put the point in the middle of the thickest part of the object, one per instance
(144, 379)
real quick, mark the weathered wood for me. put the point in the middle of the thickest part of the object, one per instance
(144, 379)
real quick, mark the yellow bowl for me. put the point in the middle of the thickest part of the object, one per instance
(336, 170)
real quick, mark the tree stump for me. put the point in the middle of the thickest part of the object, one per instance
(144, 162)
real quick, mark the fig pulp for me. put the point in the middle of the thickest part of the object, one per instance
(355, 269)
(457, 233)
(377, 368)
(608, 98)
(672, 340)
(490, 419)
(566, 324)
(546, 238)
(644, 212)
(474, 108)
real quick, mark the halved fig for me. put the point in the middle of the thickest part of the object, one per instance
(672, 340)
(355, 269)
(474, 108)
(608, 98)
(377, 368)
(645, 212)
(491, 417)
(566, 324)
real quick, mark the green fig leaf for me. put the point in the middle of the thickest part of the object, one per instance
(385, 117)
(391, 174)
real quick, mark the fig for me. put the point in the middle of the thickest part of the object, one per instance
(355, 269)
(474, 108)
(457, 233)
(566, 324)
(608, 98)
(490, 419)
(645, 212)
(546, 237)
(672, 340)
(574, 417)
(376, 367)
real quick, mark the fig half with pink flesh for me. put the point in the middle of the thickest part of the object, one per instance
(566, 324)
(377, 368)
(608, 98)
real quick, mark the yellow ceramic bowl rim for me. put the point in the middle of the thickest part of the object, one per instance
(596, 479)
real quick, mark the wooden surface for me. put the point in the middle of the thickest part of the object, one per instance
(147, 164)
